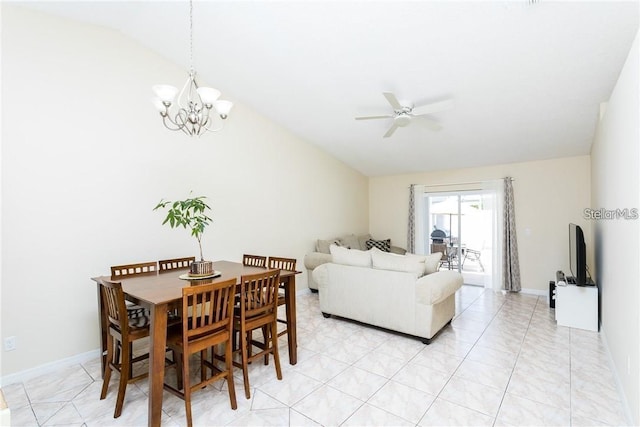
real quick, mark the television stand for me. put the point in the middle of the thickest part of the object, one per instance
(577, 306)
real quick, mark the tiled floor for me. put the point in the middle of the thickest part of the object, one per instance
(502, 362)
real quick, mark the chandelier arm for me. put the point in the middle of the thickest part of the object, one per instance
(214, 130)
(183, 119)
(166, 119)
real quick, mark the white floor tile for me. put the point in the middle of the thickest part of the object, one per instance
(401, 400)
(328, 406)
(503, 361)
(443, 413)
(369, 415)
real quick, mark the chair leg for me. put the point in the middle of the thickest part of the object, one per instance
(130, 360)
(187, 387)
(228, 360)
(107, 368)
(203, 357)
(245, 366)
(124, 377)
(274, 343)
(177, 357)
(265, 337)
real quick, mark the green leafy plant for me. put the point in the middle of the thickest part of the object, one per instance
(188, 213)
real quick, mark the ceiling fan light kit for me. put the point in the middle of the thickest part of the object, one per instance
(191, 113)
(403, 115)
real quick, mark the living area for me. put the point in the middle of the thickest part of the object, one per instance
(90, 169)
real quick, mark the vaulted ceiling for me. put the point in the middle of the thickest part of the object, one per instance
(527, 77)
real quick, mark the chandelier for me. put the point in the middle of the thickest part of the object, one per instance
(192, 111)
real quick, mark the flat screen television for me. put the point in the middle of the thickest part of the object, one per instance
(577, 256)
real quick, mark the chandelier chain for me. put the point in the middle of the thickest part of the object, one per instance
(191, 34)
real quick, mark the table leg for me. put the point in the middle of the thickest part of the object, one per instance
(290, 298)
(157, 346)
(103, 332)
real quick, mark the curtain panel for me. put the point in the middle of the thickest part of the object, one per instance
(510, 262)
(411, 227)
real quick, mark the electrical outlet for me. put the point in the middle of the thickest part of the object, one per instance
(9, 343)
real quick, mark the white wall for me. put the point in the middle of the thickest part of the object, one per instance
(549, 194)
(85, 158)
(615, 160)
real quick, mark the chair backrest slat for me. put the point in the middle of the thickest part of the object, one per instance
(211, 308)
(128, 270)
(175, 264)
(259, 293)
(282, 263)
(115, 308)
(254, 260)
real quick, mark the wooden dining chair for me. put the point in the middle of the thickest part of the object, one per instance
(254, 260)
(258, 310)
(123, 330)
(166, 265)
(209, 323)
(128, 270)
(282, 264)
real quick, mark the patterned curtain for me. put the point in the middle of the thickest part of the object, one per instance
(510, 263)
(411, 228)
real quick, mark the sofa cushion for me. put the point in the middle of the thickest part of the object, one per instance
(406, 263)
(432, 262)
(353, 257)
(322, 246)
(383, 245)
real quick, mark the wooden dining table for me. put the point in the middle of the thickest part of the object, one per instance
(157, 292)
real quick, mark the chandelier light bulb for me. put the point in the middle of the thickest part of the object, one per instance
(159, 105)
(166, 93)
(208, 95)
(223, 107)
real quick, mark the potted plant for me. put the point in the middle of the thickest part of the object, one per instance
(190, 213)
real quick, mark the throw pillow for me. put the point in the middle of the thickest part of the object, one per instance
(362, 240)
(323, 245)
(387, 261)
(350, 242)
(355, 257)
(432, 262)
(383, 245)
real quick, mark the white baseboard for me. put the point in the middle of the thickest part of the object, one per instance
(47, 368)
(612, 366)
(531, 291)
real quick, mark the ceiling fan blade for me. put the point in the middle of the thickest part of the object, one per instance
(373, 117)
(428, 122)
(434, 107)
(391, 130)
(392, 100)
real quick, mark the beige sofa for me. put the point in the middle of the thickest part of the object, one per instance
(388, 290)
(321, 255)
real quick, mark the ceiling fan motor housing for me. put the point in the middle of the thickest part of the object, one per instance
(402, 119)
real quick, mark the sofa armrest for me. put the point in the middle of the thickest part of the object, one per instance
(436, 287)
(314, 259)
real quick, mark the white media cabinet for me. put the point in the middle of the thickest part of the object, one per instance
(577, 306)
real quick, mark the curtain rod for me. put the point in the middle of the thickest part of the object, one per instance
(461, 183)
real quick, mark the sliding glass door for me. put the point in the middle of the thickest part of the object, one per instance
(461, 225)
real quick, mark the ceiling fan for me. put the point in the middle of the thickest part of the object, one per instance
(403, 116)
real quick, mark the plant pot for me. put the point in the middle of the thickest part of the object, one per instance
(201, 268)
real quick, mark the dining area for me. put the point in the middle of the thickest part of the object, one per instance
(202, 327)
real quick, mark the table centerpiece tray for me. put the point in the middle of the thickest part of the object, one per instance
(189, 276)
